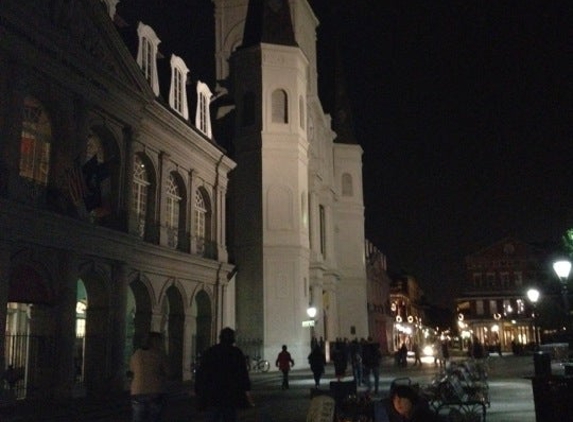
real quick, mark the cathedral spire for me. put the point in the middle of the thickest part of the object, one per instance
(342, 122)
(269, 21)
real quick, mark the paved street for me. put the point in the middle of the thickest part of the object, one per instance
(511, 397)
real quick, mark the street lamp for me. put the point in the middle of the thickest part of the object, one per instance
(533, 296)
(311, 312)
(562, 269)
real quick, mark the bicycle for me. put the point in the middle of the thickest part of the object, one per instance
(258, 365)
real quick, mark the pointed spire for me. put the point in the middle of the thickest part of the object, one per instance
(342, 122)
(268, 21)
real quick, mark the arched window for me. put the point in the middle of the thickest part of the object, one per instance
(140, 193)
(347, 185)
(35, 142)
(279, 106)
(173, 207)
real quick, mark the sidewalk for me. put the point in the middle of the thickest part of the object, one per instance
(510, 392)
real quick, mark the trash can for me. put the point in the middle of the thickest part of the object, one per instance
(542, 364)
(552, 397)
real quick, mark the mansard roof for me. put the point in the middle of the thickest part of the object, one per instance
(269, 21)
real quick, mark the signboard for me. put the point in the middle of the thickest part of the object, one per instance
(308, 323)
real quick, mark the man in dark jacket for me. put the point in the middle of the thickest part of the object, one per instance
(223, 383)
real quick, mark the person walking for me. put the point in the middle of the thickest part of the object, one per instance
(317, 362)
(223, 384)
(371, 359)
(416, 350)
(284, 362)
(149, 371)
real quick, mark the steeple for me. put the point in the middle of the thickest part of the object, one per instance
(268, 21)
(342, 122)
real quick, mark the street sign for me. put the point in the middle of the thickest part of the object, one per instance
(308, 323)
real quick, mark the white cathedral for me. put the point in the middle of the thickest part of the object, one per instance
(132, 200)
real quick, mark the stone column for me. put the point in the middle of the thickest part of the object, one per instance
(65, 331)
(127, 200)
(188, 353)
(118, 328)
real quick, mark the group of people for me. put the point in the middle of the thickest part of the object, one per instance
(223, 385)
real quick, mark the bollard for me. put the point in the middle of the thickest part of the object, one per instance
(542, 364)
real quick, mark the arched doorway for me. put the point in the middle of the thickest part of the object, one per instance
(203, 317)
(30, 327)
(172, 327)
(138, 314)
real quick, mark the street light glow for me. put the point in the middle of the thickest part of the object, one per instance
(562, 269)
(311, 312)
(533, 295)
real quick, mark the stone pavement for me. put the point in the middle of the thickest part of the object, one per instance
(510, 392)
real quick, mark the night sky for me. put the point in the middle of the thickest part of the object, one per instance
(463, 109)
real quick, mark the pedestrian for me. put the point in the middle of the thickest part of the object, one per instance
(371, 359)
(223, 384)
(339, 359)
(356, 361)
(317, 362)
(446, 353)
(284, 362)
(149, 371)
(403, 355)
(439, 353)
(416, 350)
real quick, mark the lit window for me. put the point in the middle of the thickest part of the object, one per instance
(35, 142)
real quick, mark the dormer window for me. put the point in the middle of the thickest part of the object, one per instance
(202, 115)
(147, 55)
(177, 92)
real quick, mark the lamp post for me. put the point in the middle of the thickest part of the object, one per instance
(533, 296)
(562, 269)
(311, 312)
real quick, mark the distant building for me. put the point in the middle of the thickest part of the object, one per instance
(380, 318)
(409, 322)
(494, 305)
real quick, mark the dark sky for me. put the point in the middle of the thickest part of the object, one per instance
(463, 109)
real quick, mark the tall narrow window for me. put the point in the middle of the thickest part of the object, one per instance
(35, 142)
(279, 106)
(177, 91)
(147, 59)
(200, 220)
(347, 185)
(173, 203)
(147, 55)
(202, 116)
(140, 193)
(322, 218)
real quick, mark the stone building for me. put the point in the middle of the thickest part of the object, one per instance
(298, 213)
(115, 192)
(112, 202)
(493, 306)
